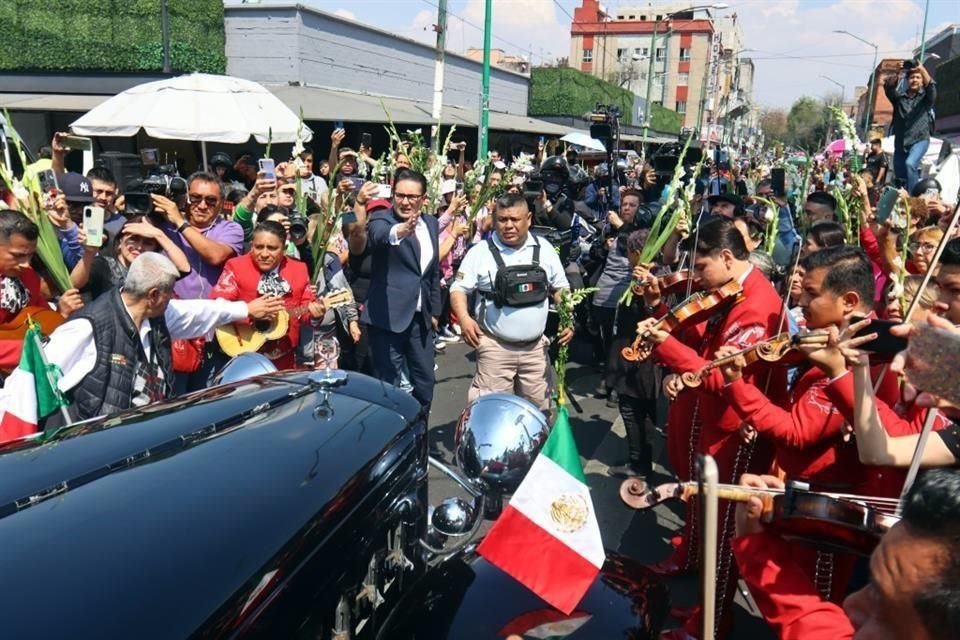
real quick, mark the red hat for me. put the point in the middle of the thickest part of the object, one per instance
(377, 204)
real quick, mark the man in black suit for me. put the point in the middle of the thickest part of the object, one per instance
(404, 296)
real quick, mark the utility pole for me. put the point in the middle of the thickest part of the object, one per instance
(485, 90)
(165, 35)
(647, 110)
(441, 28)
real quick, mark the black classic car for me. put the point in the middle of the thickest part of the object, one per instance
(285, 505)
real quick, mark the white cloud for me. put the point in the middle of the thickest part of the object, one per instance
(348, 15)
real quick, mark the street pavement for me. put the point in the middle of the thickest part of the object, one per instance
(601, 441)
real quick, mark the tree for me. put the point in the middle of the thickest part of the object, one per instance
(773, 123)
(807, 124)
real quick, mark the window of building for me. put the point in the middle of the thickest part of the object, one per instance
(588, 55)
(684, 54)
(622, 53)
(644, 18)
(681, 107)
(683, 79)
(631, 17)
(661, 53)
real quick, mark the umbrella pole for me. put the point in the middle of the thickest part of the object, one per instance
(203, 151)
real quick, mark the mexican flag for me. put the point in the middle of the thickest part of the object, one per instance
(30, 393)
(544, 624)
(547, 537)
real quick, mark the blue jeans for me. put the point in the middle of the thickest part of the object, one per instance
(906, 162)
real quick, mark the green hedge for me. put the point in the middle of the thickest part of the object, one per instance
(110, 35)
(563, 91)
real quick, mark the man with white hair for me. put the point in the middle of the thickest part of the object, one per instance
(116, 353)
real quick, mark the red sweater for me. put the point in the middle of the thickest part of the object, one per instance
(239, 281)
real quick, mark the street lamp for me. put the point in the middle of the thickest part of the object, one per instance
(843, 89)
(873, 77)
(653, 54)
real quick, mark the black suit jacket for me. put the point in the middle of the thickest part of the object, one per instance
(395, 278)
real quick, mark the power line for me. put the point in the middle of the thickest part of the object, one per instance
(561, 7)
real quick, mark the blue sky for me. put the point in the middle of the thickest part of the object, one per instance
(792, 40)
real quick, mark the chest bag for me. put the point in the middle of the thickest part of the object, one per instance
(523, 285)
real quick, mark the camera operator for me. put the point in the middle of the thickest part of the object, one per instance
(516, 274)
(912, 119)
(202, 234)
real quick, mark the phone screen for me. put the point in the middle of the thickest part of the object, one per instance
(78, 143)
(366, 139)
(268, 168)
(93, 225)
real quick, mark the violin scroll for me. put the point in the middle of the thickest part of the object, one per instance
(691, 379)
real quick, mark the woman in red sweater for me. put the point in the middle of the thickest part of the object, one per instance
(265, 270)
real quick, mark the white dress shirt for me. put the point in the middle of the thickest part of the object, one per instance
(72, 347)
(426, 247)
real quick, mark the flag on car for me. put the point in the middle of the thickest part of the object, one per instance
(30, 393)
(545, 623)
(548, 538)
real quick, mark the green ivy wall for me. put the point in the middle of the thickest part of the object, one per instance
(110, 35)
(563, 91)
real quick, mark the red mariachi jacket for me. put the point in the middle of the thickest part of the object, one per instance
(10, 349)
(239, 281)
(784, 594)
(754, 318)
(808, 433)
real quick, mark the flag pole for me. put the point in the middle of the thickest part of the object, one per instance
(51, 380)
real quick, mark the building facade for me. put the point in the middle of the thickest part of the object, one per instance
(697, 70)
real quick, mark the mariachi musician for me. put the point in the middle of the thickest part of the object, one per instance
(266, 270)
(701, 419)
(807, 431)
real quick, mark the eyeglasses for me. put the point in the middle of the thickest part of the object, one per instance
(925, 247)
(292, 191)
(211, 201)
(407, 196)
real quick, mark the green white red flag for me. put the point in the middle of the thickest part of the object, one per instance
(547, 538)
(30, 393)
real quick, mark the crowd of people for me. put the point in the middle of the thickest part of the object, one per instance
(483, 255)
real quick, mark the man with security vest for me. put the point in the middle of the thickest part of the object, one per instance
(514, 274)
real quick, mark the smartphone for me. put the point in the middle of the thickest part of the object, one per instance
(268, 168)
(93, 225)
(778, 181)
(541, 140)
(150, 157)
(888, 199)
(885, 344)
(76, 143)
(48, 181)
(348, 217)
(366, 140)
(385, 192)
(338, 124)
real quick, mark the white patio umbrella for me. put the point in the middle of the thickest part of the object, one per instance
(199, 106)
(583, 140)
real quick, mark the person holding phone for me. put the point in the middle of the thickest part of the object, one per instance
(912, 119)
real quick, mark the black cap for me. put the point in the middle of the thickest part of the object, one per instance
(726, 197)
(220, 158)
(75, 187)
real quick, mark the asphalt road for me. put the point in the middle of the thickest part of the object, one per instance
(601, 441)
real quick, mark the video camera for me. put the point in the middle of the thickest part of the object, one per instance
(606, 129)
(298, 224)
(163, 180)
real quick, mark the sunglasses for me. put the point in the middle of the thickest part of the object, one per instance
(211, 201)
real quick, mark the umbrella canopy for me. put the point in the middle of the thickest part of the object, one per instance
(199, 106)
(583, 140)
(837, 147)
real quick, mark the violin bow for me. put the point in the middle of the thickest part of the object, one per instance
(693, 252)
(932, 411)
(709, 478)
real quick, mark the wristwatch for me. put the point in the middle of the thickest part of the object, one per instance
(183, 225)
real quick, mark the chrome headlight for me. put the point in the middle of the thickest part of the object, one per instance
(245, 365)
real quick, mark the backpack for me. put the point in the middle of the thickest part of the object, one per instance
(523, 285)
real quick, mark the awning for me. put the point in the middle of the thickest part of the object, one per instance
(320, 103)
(49, 101)
(652, 138)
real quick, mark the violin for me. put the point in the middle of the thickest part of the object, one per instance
(669, 284)
(781, 348)
(697, 307)
(846, 522)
